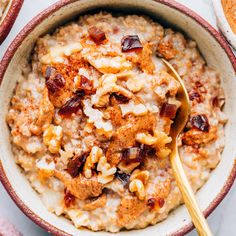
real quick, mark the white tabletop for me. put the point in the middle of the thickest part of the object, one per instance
(222, 220)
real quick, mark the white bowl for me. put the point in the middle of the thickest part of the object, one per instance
(223, 23)
(216, 52)
(8, 18)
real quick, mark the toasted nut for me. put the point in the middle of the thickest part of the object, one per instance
(106, 172)
(91, 160)
(110, 64)
(45, 169)
(56, 53)
(158, 140)
(52, 138)
(137, 181)
(141, 175)
(107, 85)
(96, 117)
(135, 84)
(137, 186)
(146, 138)
(135, 109)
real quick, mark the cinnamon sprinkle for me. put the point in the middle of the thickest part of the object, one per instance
(229, 7)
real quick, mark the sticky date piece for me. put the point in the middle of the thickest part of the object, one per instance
(54, 80)
(200, 122)
(131, 43)
(97, 35)
(137, 154)
(168, 110)
(151, 202)
(123, 177)
(75, 166)
(86, 85)
(120, 98)
(72, 105)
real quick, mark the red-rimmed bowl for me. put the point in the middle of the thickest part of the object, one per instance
(217, 54)
(8, 18)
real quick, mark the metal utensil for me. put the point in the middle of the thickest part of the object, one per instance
(177, 127)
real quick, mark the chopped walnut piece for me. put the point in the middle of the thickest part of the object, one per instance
(81, 187)
(52, 138)
(106, 172)
(58, 53)
(44, 116)
(108, 85)
(165, 84)
(137, 183)
(109, 64)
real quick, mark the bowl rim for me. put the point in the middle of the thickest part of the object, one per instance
(28, 28)
(10, 18)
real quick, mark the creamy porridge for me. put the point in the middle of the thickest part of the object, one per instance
(91, 115)
(3, 5)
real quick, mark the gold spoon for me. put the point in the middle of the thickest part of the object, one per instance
(177, 127)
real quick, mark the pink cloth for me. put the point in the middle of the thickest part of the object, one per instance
(8, 229)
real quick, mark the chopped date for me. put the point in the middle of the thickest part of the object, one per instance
(194, 95)
(49, 72)
(123, 177)
(69, 199)
(71, 106)
(137, 154)
(54, 80)
(147, 151)
(151, 202)
(80, 93)
(200, 122)
(131, 155)
(161, 202)
(168, 110)
(86, 84)
(119, 97)
(75, 166)
(131, 43)
(96, 34)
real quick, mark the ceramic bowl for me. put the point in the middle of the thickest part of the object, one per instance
(223, 23)
(9, 16)
(212, 46)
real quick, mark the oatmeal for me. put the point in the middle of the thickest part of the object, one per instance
(3, 5)
(91, 115)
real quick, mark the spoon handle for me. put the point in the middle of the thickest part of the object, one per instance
(189, 198)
